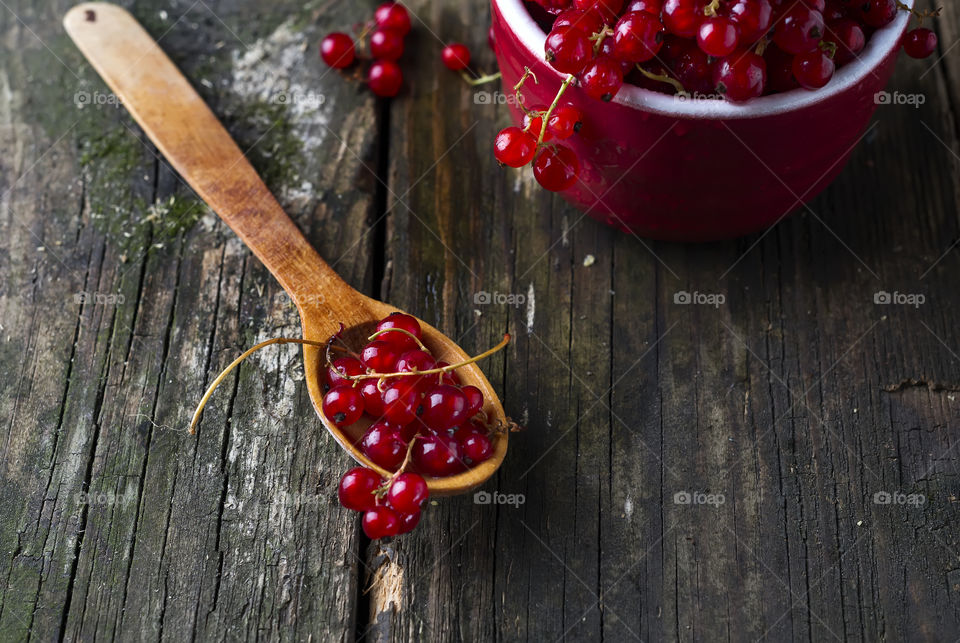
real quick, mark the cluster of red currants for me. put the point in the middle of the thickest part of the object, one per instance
(554, 166)
(423, 418)
(739, 49)
(387, 30)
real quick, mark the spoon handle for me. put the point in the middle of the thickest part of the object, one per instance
(192, 139)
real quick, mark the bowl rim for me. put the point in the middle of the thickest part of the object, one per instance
(880, 45)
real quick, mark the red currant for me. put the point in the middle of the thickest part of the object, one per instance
(717, 36)
(568, 49)
(455, 56)
(403, 322)
(380, 356)
(589, 22)
(474, 444)
(740, 76)
(393, 15)
(437, 455)
(564, 121)
(474, 400)
(638, 37)
(356, 488)
(383, 445)
(602, 78)
(608, 49)
(341, 366)
(608, 9)
(650, 6)
(780, 76)
(343, 405)
(381, 522)
(753, 17)
(920, 42)
(444, 406)
(553, 7)
(694, 70)
(449, 377)
(556, 169)
(401, 401)
(799, 30)
(835, 10)
(849, 38)
(878, 13)
(683, 17)
(415, 360)
(514, 147)
(533, 122)
(386, 44)
(372, 398)
(407, 493)
(408, 522)
(813, 69)
(337, 50)
(385, 78)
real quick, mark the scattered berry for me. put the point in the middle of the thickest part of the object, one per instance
(455, 56)
(337, 50)
(385, 78)
(386, 44)
(392, 15)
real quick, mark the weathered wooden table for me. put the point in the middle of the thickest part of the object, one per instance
(783, 465)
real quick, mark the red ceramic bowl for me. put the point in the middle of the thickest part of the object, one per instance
(700, 170)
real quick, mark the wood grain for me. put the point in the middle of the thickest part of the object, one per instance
(798, 399)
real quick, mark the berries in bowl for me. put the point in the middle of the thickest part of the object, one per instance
(697, 120)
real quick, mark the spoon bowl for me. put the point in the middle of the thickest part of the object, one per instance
(192, 139)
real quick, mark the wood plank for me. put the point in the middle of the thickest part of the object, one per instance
(777, 399)
(133, 529)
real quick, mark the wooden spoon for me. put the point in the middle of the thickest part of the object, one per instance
(189, 135)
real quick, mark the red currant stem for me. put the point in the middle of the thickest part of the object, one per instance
(400, 330)
(516, 88)
(360, 39)
(711, 9)
(442, 369)
(406, 459)
(213, 386)
(546, 118)
(762, 45)
(663, 78)
(479, 80)
(598, 37)
(829, 48)
(919, 15)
